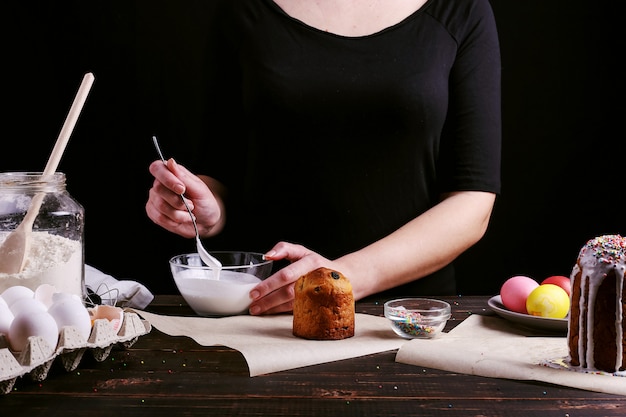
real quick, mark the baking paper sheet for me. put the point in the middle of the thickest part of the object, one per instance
(493, 347)
(267, 342)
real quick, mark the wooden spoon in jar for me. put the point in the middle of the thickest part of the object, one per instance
(14, 249)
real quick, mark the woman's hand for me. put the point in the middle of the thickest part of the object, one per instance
(165, 207)
(275, 294)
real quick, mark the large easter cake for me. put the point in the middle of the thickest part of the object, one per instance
(597, 322)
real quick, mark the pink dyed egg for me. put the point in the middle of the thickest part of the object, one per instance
(514, 292)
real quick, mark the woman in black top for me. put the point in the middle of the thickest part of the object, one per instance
(361, 136)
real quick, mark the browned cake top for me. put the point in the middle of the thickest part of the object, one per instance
(324, 280)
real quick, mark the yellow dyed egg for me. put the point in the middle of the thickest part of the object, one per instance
(548, 300)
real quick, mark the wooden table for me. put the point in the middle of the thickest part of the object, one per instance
(160, 375)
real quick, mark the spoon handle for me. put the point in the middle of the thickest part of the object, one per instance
(182, 196)
(205, 256)
(60, 145)
(158, 148)
(68, 125)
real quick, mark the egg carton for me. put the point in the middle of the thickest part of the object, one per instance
(36, 359)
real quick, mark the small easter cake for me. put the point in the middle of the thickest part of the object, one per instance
(323, 307)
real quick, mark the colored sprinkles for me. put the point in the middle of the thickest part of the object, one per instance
(607, 248)
(417, 317)
(411, 323)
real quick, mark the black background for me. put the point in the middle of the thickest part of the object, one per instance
(563, 118)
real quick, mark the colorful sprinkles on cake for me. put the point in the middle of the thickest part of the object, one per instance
(607, 248)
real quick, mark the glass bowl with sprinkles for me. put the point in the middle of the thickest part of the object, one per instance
(417, 318)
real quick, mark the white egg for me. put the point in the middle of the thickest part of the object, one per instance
(27, 305)
(15, 292)
(26, 325)
(58, 296)
(70, 311)
(44, 293)
(6, 317)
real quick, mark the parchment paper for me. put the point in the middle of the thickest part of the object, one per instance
(267, 342)
(492, 347)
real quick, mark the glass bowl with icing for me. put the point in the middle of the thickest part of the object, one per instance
(223, 292)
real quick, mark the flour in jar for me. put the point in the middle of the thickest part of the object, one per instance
(52, 259)
(206, 296)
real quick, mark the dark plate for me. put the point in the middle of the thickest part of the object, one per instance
(536, 322)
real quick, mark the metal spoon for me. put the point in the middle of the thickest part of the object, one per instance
(206, 257)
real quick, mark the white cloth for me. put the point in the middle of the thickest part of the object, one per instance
(123, 293)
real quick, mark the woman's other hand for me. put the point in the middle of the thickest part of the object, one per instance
(275, 294)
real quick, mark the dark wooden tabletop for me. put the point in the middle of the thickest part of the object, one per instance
(160, 375)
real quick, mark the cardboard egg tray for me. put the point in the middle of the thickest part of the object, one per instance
(37, 358)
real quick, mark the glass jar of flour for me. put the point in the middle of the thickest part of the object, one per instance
(55, 254)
